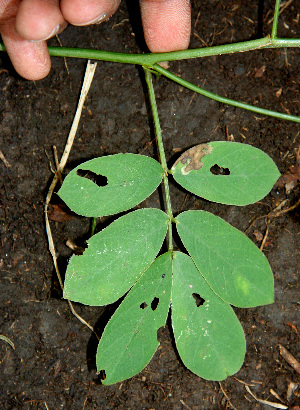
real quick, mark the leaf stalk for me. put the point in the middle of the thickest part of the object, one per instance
(162, 156)
(275, 20)
(224, 100)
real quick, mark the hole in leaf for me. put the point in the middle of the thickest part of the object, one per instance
(198, 299)
(143, 305)
(99, 180)
(102, 374)
(154, 303)
(216, 170)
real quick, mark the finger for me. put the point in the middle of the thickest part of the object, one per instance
(30, 60)
(82, 13)
(39, 20)
(167, 24)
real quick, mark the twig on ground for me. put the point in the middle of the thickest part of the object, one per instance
(242, 382)
(7, 340)
(185, 405)
(147, 146)
(284, 211)
(65, 60)
(227, 398)
(265, 236)
(294, 328)
(268, 403)
(275, 213)
(273, 392)
(298, 155)
(193, 96)
(292, 388)
(279, 207)
(4, 160)
(289, 358)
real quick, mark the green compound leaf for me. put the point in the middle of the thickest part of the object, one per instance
(130, 338)
(226, 172)
(115, 258)
(209, 338)
(233, 266)
(109, 185)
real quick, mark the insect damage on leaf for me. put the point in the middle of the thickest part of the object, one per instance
(154, 303)
(99, 180)
(216, 170)
(193, 158)
(198, 299)
(102, 374)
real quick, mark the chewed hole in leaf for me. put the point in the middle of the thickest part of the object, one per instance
(154, 303)
(198, 299)
(216, 170)
(143, 305)
(99, 180)
(102, 374)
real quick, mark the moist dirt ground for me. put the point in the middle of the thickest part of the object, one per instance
(52, 365)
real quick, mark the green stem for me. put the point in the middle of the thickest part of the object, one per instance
(224, 100)
(148, 60)
(161, 151)
(282, 42)
(94, 224)
(275, 20)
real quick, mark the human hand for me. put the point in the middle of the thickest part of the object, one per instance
(25, 25)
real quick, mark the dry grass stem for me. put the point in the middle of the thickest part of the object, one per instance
(7, 340)
(268, 403)
(88, 78)
(57, 164)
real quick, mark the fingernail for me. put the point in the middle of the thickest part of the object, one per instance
(98, 20)
(57, 29)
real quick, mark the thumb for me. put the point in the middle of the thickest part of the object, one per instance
(166, 24)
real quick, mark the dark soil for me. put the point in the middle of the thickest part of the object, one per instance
(53, 364)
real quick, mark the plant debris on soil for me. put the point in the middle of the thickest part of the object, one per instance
(47, 356)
